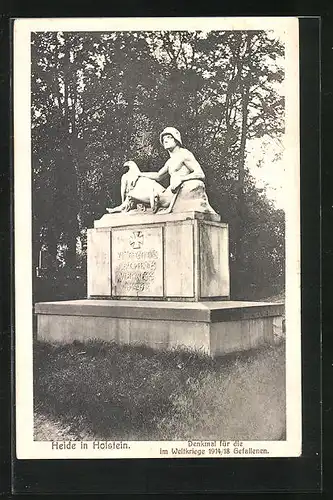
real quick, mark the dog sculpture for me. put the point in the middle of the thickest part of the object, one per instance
(136, 189)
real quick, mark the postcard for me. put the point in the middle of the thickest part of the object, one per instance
(157, 238)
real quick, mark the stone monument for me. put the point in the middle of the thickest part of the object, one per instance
(158, 270)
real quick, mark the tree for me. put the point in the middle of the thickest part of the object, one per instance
(101, 98)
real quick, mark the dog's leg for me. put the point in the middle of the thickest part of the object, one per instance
(116, 209)
(154, 201)
(170, 207)
(129, 204)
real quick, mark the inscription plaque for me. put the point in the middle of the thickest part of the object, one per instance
(137, 262)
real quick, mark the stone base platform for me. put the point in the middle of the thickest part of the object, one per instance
(215, 328)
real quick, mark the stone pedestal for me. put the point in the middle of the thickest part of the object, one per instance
(167, 257)
(214, 328)
(160, 280)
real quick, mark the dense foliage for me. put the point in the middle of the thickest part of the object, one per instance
(101, 98)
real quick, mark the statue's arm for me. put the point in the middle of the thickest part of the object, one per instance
(193, 166)
(156, 176)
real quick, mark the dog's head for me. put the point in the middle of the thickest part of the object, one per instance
(132, 166)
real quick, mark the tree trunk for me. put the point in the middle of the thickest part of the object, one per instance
(240, 229)
(242, 152)
(68, 178)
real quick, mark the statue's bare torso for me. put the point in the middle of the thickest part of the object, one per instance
(176, 164)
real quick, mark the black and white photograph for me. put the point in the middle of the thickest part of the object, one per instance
(157, 238)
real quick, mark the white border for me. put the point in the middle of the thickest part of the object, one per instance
(287, 28)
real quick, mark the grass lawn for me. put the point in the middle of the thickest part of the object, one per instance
(101, 390)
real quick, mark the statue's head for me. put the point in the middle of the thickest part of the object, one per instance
(170, 133)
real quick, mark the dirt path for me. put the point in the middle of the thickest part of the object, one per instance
(46, 429)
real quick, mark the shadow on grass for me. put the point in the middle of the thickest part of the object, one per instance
(134, 392)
